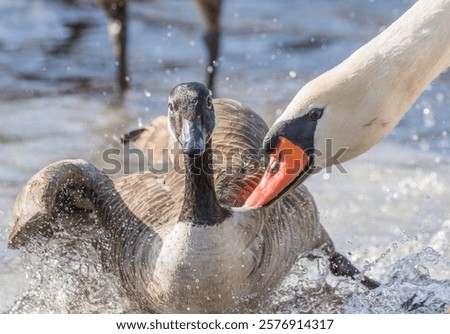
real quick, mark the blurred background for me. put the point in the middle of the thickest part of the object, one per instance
(59, 99)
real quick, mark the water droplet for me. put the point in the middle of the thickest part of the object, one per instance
(147, 93)
(292, 74)
(440, 97)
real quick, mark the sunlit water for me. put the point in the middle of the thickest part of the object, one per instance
(389, 213)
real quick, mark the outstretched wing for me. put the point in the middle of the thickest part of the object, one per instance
(62, 188)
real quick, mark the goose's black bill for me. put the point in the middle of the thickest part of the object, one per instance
(192, 139)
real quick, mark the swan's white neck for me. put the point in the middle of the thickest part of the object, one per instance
(409, 54)
(366, 95)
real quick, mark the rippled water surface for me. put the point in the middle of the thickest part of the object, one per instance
(389, 213)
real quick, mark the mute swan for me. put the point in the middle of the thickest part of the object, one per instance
(117, 14)
(160, 239)
(357, 103)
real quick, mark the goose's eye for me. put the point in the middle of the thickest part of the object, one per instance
(170, 106)
(209, 103)
(315, 114)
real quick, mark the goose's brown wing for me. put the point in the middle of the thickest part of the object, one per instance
(237, 143)
(146, 197)
(153, 139)
(62, 188)
(136, 212)
(80, 194)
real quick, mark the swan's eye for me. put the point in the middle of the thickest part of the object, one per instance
(209, 103)
(315, 114)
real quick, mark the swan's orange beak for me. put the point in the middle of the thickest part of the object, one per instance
(287, 165)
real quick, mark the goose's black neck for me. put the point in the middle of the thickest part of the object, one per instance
(200, 206)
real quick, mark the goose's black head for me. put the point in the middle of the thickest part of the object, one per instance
(192, 118)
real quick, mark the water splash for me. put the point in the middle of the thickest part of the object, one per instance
(67, 277)
(410, 288)
(312, 288)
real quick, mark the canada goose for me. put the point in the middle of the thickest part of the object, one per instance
(358, 102)
(195, 250)
(117, 14)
